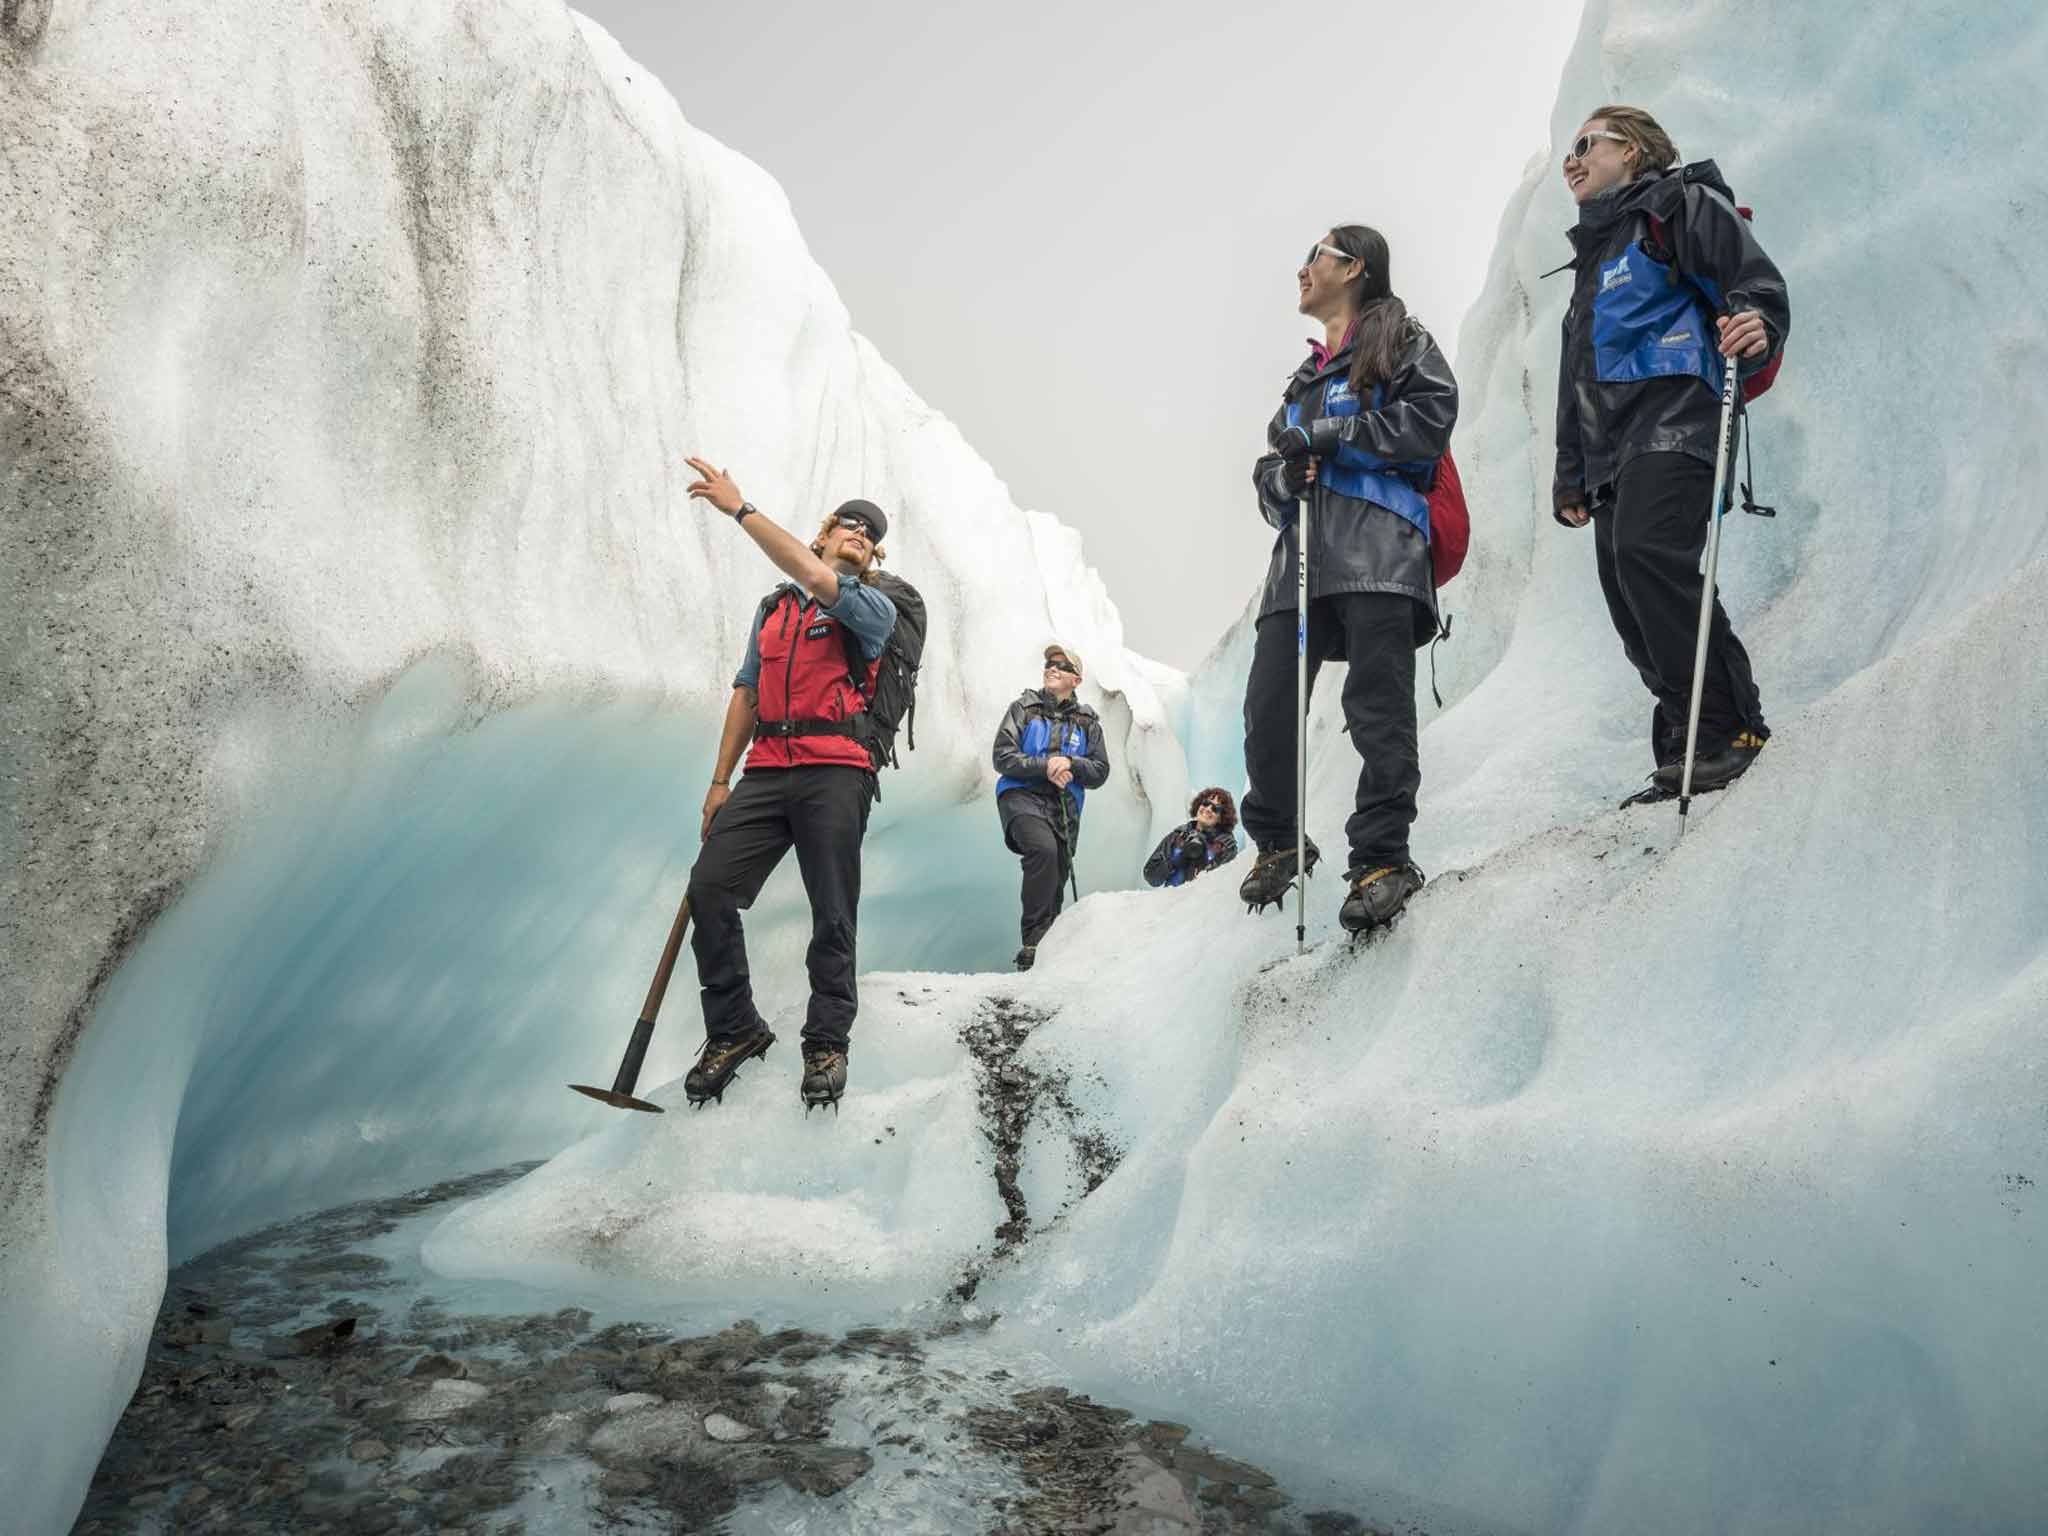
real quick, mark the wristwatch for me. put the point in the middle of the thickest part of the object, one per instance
(743, 511)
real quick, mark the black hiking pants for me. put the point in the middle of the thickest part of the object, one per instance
(1375, 633)
(821, 811)
(1649, 537)
(1031, 830)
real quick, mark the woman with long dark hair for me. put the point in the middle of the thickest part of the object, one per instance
(1361, 426)
(1670, 288)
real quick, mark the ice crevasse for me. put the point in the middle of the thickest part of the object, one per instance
(361, 660)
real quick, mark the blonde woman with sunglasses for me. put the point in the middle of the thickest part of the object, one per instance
(1670, 289)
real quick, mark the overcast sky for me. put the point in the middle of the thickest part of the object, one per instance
(1074, 227)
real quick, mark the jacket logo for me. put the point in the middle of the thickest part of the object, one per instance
(818, 631)
(1616, 275)
(1338, 392)
(1677, 339)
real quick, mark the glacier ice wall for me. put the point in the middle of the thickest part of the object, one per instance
(362, 656)
(1628, 1185)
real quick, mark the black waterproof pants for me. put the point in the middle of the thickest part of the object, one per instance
(822, 812)
(1649, 538)
(1375, 633)
(1031, 830)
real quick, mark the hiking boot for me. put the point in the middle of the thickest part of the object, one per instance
(720, 1060)
(1026, 957)
(1717, 771)
(1378, 895)
(824, 1076)
(1272, 873)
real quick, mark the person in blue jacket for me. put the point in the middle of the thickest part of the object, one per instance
(1206, 839)
(1670, 289)
(1049, 751)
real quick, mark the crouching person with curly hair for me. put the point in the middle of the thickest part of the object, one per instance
(1208, 838)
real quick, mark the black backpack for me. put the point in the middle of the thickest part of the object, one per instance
(894, 699)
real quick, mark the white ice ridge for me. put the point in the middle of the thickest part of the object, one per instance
(362, 654)
(1628, 1186)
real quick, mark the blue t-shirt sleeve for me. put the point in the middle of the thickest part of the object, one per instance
(868, 613)
(749, 674)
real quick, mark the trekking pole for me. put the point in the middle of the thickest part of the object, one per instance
(1301, 730)
(1729, 390)
(1067, 848)
(620, 1094)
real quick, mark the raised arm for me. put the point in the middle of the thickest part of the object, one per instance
(791, 555)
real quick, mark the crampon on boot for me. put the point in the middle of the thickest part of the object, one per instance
(1651, 793)
(1716, 770)
(1377, 896)
(1271, 876)
(720, 1060)
(824, 1076)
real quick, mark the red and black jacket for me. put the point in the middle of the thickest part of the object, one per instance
(806, 696)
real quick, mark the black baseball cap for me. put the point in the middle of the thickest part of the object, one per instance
(869, 513)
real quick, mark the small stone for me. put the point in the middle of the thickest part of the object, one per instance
(623, 1482)
(823, 1470)
(1152, 1502)
(1165, 1432)
(719, 1427)
(241, 1416)
(368, 1450)
(407, 1495)
(1219, 1469)
(444, 1399)
(439, 1367)
(553, 1434)
(1262, 1499)
(626, 1402)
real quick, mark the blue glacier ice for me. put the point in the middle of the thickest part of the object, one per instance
(362, 668)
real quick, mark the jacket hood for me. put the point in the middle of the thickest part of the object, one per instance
(1654, 192)
(1041, 697)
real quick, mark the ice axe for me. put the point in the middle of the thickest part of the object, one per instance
(620, 1094)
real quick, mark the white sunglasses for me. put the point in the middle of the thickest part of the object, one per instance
(1582, 146)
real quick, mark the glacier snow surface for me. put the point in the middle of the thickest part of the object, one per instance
(1627, 1185)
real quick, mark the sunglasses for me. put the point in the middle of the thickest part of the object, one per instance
(1210, 805)
(849, 521)
(1582, 146)
(1320, 249)
(1063, 666)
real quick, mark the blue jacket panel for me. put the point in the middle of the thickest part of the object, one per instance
(1648, 323)
(1037, 727)
(1356, 471)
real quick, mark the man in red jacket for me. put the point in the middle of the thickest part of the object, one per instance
(808, 785)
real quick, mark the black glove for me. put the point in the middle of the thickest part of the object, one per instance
(1294, 478)
(1325, 433)
(1291, 443)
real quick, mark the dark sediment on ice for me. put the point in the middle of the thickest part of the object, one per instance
(388, 1413)
(1010, 1097)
